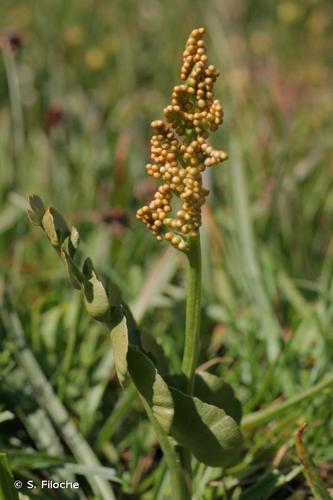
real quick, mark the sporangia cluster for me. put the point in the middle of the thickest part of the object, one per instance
(180, 151)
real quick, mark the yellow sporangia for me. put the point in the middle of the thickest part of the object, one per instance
(180, 151)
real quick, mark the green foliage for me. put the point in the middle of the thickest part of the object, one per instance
(207, 431)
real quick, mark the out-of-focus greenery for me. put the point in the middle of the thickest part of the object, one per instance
(77, 94)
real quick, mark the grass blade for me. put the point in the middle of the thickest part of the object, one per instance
(310, 470)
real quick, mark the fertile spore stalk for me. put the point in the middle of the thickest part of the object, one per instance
(180, 153)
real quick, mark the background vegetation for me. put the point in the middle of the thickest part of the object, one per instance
(78, 91)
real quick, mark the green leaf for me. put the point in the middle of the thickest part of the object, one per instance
(55, 226)
(212, 390)
(151, 386)
(207, 431)
(7, 489)
(119, 342)
(215, 391)
(95, 297)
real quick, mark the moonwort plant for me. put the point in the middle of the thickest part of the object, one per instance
(195, 416)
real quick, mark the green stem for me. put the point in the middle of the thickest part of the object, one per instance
(178, 486)
(192, 330)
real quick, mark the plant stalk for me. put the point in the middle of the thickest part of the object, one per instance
(193, 304)
(192, 333)
(179, 464)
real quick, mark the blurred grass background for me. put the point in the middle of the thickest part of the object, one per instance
(80, 83)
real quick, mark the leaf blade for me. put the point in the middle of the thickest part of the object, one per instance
(207, 431)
